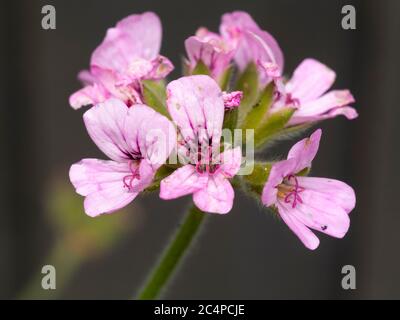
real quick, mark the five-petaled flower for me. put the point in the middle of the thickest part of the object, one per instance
(137, 140)
(306, 91)
(306, 203)
(240, 40)
(129, 53)
(196, 105)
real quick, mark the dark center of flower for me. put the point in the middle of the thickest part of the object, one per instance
(204, 161)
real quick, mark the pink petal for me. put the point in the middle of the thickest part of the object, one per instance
(310, 80)
(231, 160)
(137, 36)
(216, 197)
(150, 134)
(118, 86)
(254, 44)
(211, 52)
(273, 71)
(195, 103)
(306, 236)
(161, 67)
(305, 151)
(89, 95)
(339, 192)
(105, 125)
(207, 35)
(181, 182)
(349, 112)
(331, 100)
(279, 171)
(318, 211)
(102, 184)
(86, 77)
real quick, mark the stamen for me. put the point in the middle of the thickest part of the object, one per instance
(290, 100)
(128, 180)
(294, 193)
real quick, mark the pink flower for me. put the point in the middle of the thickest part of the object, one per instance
(129, 53)
(211, 49)
(306, 203)
(253, 43)
(306, 91)
(240, 39)
(232, 99)
(196, 105)
(137, 140)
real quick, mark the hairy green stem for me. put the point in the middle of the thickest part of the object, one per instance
(173, 254)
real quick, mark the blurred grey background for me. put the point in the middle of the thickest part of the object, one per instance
(246, 254)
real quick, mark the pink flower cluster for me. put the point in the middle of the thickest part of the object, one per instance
(138, 140)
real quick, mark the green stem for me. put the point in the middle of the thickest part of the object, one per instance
(173, 254)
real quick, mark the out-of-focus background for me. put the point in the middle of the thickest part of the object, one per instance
(246, 254)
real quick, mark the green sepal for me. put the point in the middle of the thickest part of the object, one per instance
(256, 180)
(274, 124)
(259, 111)
(201, 68)
(305, 172)
(225, 78)
(154, 96)
(163, 172)
(230, 119)
(248, 83)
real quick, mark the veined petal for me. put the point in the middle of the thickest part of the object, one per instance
(349, 112)
(279, 171)
(137, 36)
(212, 52)
(310, 80)
(337, 191)
(102, 184)
(181, 182)
(331, 100)
(309, 239)
(105, 125)
(149, 134)
(196, 105)
(317, 211)
(231, 161)
(118, 85)
(305, 151)
(240, 25)
(91, 175)
(108, 200)
(216, 197)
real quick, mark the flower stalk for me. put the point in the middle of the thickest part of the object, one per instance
(173, 254)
